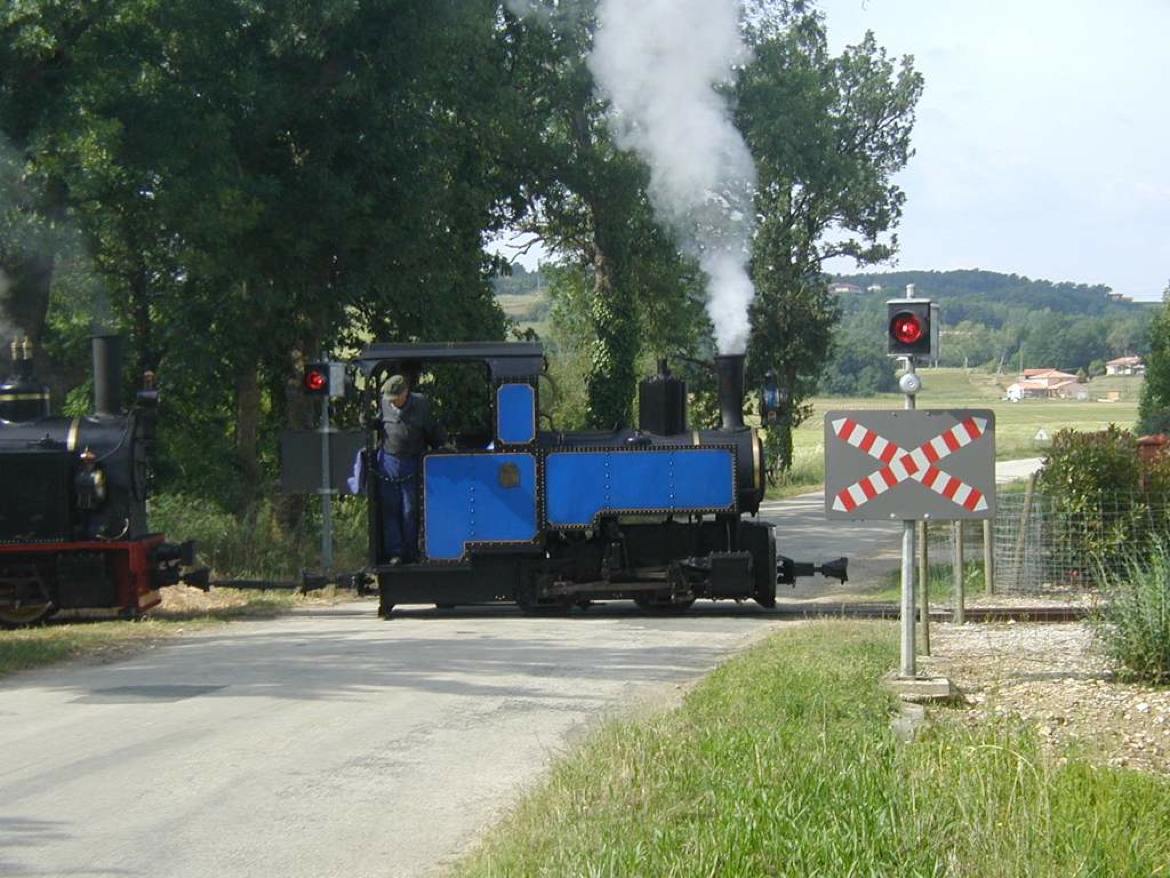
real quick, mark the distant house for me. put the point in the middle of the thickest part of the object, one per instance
(874, 288)
(844, 288)
(1070, 390)
(1119, 297)
(1125, 366)
(1046, 384)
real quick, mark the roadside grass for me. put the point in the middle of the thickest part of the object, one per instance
(89, 638)
(942, 583)
(782, 762)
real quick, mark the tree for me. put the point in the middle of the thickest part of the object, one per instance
(828, 133)
(593, 211)
(1154, 408)
(269, 181)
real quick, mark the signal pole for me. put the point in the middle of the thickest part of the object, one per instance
(327, 490)
(910, 384)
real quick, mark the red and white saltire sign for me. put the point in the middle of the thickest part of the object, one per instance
(921, 464)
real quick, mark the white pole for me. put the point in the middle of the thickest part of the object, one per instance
(326, 491)
(909, 667)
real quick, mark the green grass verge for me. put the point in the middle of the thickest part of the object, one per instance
(28, 648)
(942, 582)
(782, 762)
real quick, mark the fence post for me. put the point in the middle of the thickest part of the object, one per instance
(960, 598)
(1022, 537)
(988, 556)
(924, 583)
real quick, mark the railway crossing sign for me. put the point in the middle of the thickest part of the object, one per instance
(910, 465)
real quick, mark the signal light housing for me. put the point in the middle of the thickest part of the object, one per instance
(909, 327)
(324, 379)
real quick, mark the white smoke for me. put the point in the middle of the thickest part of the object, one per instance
(660, 62)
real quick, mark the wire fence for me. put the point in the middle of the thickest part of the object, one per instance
(1044, 546)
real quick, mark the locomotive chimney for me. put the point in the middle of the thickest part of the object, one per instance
(730, 370)
(107, 374)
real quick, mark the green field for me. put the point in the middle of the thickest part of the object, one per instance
(1017, 423)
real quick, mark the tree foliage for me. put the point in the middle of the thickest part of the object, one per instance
(828, 133)
(1154, 409)
(259, 183)
(242, 186)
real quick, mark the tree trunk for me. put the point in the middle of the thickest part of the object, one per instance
(613, 360)
(143, 325)
(248, 429)
(290, 508)
(25, 303)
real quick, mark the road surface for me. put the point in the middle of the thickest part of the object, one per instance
(324, 743)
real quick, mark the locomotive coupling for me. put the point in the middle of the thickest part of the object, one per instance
(788, 570)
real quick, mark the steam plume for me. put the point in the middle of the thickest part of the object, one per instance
(660, 63)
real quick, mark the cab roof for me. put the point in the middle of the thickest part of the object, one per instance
(505, 359)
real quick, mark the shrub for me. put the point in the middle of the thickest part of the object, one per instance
(1100, 511)
(1136, 622)
(254, 544)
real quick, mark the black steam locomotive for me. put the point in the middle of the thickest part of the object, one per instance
(73, 524)
(551, 520)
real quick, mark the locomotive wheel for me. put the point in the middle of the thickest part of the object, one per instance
(26, 616)
(530, 602)
(28, 611)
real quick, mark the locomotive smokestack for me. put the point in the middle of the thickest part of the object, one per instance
(107, 374)
(730, 369)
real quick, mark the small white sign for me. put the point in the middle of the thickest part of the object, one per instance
(1041, 435)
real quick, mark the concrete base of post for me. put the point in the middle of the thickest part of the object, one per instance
(922, 689)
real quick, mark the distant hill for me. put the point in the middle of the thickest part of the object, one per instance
(967, 292)
(1003, 322)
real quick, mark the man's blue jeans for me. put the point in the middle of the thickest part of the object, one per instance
(398, 485)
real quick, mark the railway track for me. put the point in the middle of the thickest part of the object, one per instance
(974, 614)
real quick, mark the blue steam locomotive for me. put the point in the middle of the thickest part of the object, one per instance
(663, 514)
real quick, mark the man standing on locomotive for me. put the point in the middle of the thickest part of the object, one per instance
(409, 428)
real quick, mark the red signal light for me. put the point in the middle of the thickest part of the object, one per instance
(316, 381)
(906, 328)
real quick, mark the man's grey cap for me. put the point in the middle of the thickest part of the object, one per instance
(396, 385)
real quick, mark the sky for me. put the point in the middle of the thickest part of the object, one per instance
(1042, 138)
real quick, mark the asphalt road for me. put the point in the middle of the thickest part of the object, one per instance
(332, 743)
(325, 743)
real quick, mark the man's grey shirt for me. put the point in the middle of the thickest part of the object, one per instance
(410, 430)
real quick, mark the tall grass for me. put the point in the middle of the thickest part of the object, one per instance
(255, 544)
(783, 763)
(1135, 622)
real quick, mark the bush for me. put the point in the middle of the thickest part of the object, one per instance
(1100, 511)
(254, 545)
(1136, 622)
